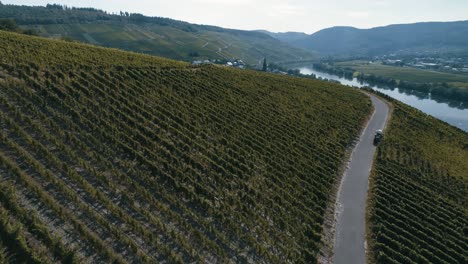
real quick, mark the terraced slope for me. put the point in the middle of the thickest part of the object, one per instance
(419, 207)
(113, 156)
(152, 35)
(175, 43)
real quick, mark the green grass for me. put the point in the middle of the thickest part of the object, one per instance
(460, 84)
(404, 73)
(418, 210)
(142, 159)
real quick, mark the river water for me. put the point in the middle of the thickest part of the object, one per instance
(450, 114)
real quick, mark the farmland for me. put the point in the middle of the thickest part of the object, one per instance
(111, 156)
(418, 201)
(405, 73)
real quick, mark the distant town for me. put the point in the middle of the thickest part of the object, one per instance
(428, 63)
(236, 63)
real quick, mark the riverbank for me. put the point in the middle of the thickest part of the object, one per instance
(435, 84)
(446, 110)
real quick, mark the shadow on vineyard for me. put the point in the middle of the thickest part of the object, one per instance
(418, 206)
(110, 156)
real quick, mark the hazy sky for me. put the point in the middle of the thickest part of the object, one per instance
(282, 15)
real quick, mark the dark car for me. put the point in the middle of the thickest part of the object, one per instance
(378, 137)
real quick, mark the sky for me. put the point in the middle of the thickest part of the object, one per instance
(282, 15)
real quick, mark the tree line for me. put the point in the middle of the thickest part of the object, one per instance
(441, 90)
(8, 24)
(62, 14)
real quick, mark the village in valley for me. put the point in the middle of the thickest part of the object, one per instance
(428, 63)
(236, 63)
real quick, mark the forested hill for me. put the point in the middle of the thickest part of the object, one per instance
(419, 38)
(109, 156)
(59, 14)
(153, 35)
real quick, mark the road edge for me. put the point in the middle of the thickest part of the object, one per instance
(326, 252)
(371, 184)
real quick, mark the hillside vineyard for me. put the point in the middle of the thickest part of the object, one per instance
(113, 156)
(418, 211)
(152, 35)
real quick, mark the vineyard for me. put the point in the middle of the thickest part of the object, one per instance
(150, 35)
(110, 156)
(418, 211)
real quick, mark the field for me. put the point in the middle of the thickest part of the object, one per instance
(111, 156)
(460, 85)
(418, 211)
(405, 73)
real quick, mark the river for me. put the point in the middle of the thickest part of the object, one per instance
(452, 115)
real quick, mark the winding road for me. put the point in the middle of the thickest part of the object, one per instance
(350, 244)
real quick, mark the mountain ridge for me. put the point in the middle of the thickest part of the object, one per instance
(418, 38)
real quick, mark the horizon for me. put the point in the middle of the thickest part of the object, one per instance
(395, 24)
(296, 12)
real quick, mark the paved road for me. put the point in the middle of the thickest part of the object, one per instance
(351, 202)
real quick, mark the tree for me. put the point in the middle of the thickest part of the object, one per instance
(55, 6)
(194, 54)
(30, 32)
(265, 66)
(8, 24)
(67, 39)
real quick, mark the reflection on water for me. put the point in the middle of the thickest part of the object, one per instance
(451, 112)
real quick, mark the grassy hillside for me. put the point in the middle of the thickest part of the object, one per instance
(157, 36)
(114, 156)
(418, 210)
(405, 73)
(288, 37)
(175, 43)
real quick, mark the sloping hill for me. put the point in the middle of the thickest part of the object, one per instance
(419, 38)
(108, 156)
(152, 35)
(418, 211)
(288, 37)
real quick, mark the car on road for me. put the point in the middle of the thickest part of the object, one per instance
(378, 137)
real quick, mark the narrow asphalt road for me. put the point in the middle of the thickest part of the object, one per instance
(351, 202)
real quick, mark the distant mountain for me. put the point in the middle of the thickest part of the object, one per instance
(419, 38)
(289, 37)
(153, 35)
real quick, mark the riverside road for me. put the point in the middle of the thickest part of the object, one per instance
(351, 202)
